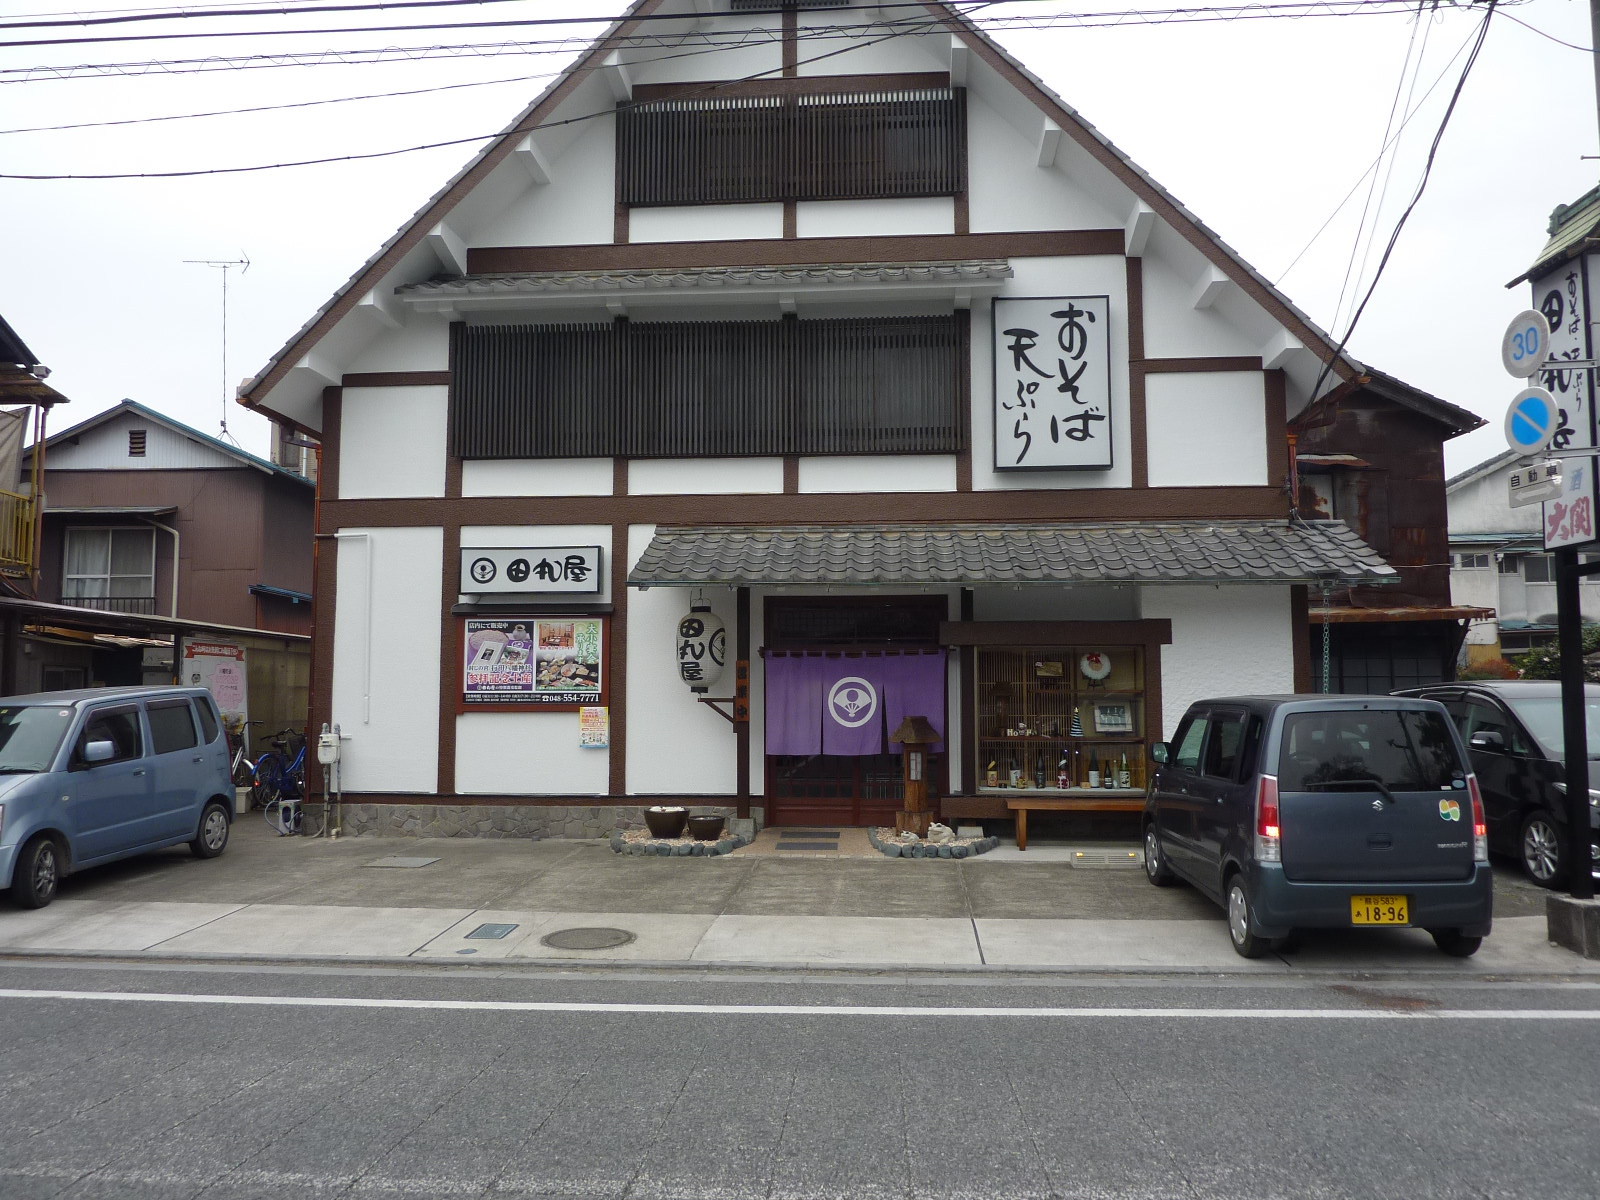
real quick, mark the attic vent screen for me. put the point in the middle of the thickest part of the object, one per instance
(136, 443)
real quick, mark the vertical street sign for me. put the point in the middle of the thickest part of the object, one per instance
(1561, 297)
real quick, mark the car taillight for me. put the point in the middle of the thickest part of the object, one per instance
(1480, 823)
(1268, 834)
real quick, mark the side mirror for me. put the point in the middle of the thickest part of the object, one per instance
(99, 752)
(1160, 751)
(1488, 739)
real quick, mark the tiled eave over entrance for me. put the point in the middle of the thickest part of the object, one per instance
(953, 282)
(1174, 552)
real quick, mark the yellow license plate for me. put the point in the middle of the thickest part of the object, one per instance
(1380, 910)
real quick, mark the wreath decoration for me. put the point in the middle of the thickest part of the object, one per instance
(1095, 665)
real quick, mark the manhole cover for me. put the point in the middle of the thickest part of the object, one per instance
(587, 939)
(491, 932)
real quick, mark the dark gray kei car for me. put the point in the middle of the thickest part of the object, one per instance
(1322, 812)
(1515, 744)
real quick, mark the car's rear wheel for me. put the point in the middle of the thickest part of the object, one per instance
(38, 873)
(212, 839)
(1543, 848)
(1155, 859)
(1248, 944)
(1455, 943)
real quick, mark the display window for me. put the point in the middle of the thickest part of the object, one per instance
(1062, 720)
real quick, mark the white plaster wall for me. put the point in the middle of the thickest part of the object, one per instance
(385, 658)
(392, 442)
(676, 745)
(1067, 275)
(422, 345)
(1484, 506)
(704, 476)
(498, 536)
(536, 477)
(1173, 326)
(527, 754)
(1226, 641)
(880, 53)
(874, 218)
(1007, 189)
(879, 473)
(705, 222)
(1208, 429)
(577, 206)
(672, 64)
(1101, 602)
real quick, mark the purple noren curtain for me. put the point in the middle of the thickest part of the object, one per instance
(849, 705)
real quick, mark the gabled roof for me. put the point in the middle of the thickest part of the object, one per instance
(1456, 420)
(1155, 197)
(1574, 228)
(1487, 467)
(178, 427)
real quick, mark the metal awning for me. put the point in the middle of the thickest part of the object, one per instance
(1169, 552)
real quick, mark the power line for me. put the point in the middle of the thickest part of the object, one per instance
(1422, 184)
(1290, 9)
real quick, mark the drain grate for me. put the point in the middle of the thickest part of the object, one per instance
(491, 932)
(400, 860)
(1107, 858)
(596, 938)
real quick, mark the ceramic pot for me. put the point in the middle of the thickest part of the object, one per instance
(666, 822)
(706, 827)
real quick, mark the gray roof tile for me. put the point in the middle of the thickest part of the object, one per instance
(1127, 552)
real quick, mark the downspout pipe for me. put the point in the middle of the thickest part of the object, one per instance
(176, 559)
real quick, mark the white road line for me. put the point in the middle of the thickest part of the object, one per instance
(817, 1010)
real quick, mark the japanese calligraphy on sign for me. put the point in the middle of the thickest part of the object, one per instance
(1052, 383)
(1562, 296)
(532, 569)
(533, 660)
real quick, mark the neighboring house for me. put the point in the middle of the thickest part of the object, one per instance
(1498, 562)
(156, 538)
(887, 361)
(1373, 456)
(22, 383)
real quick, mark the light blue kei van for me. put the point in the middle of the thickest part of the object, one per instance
(94, 775)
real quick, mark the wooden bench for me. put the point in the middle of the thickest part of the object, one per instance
(1115, 800)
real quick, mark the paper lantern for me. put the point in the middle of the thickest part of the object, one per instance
(702, 647)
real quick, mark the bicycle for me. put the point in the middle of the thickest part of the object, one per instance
(242, 769)
(281, 779)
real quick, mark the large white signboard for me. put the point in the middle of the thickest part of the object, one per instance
(1052, 383)
(567, 570)
(220, 667)
(1562, 296)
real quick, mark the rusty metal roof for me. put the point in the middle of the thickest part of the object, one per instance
(1174, 552)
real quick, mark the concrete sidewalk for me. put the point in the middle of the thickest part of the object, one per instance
(385, 899)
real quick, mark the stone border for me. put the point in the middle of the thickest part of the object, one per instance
(684, 847)
(966, 848)
(532, 821)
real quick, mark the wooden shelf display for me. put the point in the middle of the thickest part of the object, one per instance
(1051, 716)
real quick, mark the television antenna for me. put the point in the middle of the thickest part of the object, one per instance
(225, 265)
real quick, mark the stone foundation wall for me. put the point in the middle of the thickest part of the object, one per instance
(499, 820)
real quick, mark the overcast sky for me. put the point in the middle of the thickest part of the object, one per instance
(1261, 127)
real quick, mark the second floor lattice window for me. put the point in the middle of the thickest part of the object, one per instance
(745, 150)
(880, 385)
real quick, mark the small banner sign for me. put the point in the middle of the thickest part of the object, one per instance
(1052, 383)
(530, 570)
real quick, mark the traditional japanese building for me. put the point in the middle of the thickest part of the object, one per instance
(832, 343)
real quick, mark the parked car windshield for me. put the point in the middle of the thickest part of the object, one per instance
(30, 735)
(1542, 716)
(1404, 750)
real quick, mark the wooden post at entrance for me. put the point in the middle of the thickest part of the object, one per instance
(916, 737)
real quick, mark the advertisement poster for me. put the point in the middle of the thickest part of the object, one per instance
(533, 660)
(220, 668)
(594, 728)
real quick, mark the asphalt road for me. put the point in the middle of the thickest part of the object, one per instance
(225, 1083)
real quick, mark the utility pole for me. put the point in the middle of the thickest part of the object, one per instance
(244, 263)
